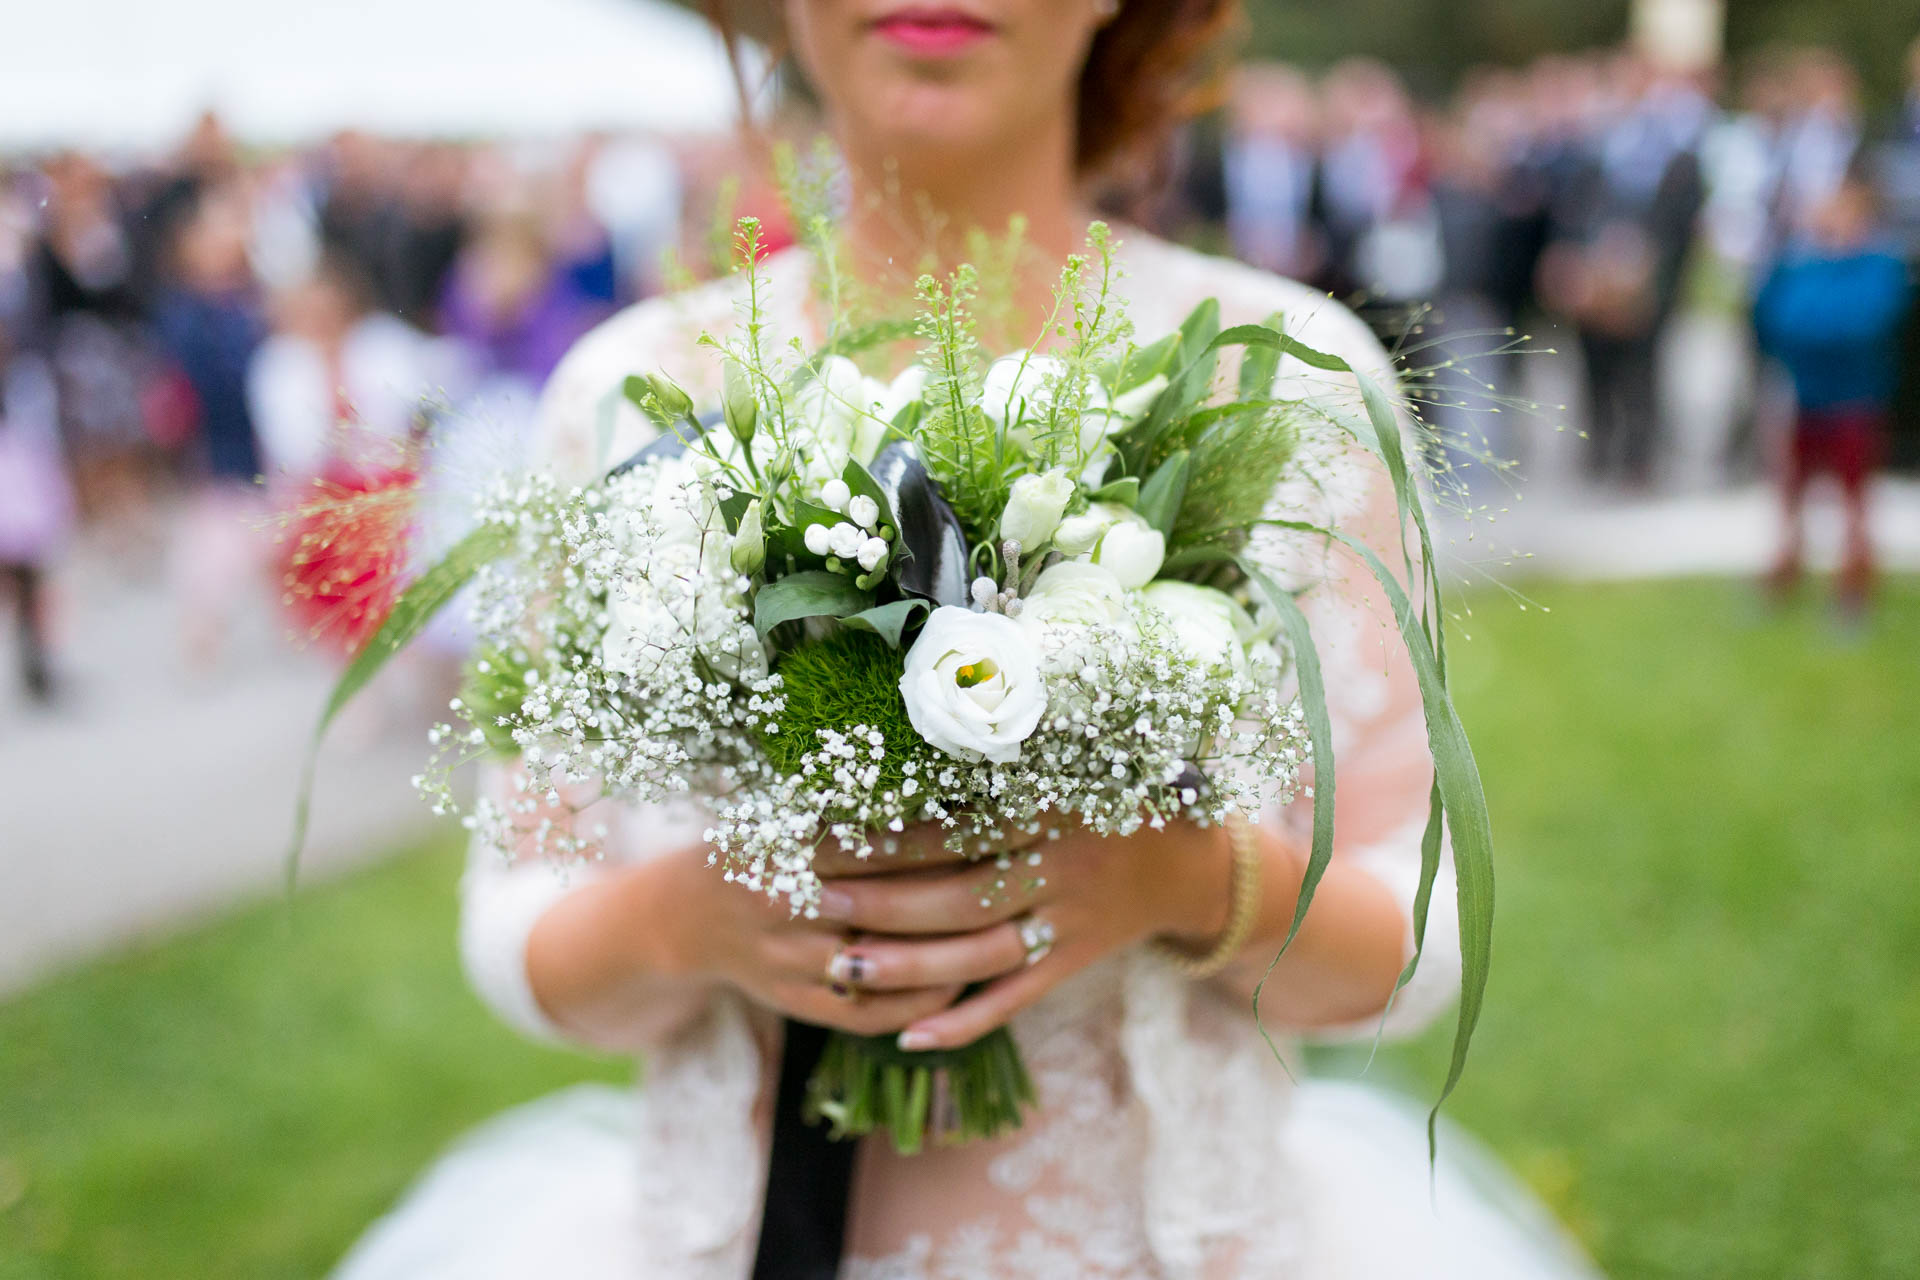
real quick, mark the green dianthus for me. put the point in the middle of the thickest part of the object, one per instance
(848, 679)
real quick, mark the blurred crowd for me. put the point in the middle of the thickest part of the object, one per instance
(173, 328)
(1596, 194)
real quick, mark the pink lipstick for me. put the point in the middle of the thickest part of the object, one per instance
(932, 32)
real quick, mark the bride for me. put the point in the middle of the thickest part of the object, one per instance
(1168, 1141)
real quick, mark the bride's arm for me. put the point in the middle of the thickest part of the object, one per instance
(1358, 934)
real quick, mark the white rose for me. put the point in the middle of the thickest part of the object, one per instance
(1073, 594)
(972, 685)
(872, 552)
(1134, 550)
(1034, 507)
(1207, 623)
(816, 539)
(863, 511)
(835, 494)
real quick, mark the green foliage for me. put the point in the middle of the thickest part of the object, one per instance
(849, 678)
(959, 445)
(493, 687)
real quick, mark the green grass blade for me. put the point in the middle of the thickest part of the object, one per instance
(1313, 702)
(411, 613)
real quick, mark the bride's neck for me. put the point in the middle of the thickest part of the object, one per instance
(908, 216)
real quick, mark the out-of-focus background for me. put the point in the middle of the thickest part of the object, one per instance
(221, 224)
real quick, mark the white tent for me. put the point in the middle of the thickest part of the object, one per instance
(135, 73)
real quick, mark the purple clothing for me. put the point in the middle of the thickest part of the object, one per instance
(527, 345)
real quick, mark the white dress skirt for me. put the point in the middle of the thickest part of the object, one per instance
(1167, 1142)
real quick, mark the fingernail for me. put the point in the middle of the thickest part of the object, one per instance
(844, 968)
(912, 1041)
(836, 904)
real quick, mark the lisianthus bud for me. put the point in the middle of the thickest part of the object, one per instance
(749, 550)
(1080, 534)
(1133, 550)
(1035, 506)
(674, 403)
(737, 401)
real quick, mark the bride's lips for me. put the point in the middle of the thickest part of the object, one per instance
(932, 32)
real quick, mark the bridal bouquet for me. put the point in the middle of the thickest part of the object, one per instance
(996, 595)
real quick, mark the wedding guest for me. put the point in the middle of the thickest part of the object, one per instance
(1624, 229)
(1831, 313)
(208, 319)
(1271, 169)
(36, 507)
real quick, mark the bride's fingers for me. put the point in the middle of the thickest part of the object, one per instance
(992, 1006)
(864, 1015)
(956, 901)
(892, 964)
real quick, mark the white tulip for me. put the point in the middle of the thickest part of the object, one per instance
(1073, 594)
(972, 685)
(1034, 508)
(863, 511)
(1134, 550)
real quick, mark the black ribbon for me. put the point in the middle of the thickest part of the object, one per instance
(809, 1176)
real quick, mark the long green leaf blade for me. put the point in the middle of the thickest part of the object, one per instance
(411, 612)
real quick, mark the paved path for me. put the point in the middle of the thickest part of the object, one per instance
(150, 797)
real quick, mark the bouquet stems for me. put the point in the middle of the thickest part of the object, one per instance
(865, 1084)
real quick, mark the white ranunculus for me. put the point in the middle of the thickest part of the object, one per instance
(1208, 624)
(972, 685)
(1073, 594)
(1134, 550)
(1034, 508)
(1077, 535)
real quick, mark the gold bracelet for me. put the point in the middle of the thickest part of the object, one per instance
(1242, 910)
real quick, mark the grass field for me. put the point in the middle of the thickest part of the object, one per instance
(1698, 1045)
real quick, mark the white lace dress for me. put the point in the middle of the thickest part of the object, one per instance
(1167, 1143)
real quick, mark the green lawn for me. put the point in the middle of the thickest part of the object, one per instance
(1697, 1041)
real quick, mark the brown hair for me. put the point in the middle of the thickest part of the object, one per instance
(1152, 67)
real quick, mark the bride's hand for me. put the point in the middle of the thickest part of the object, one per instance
(787, 964)
(991, 921)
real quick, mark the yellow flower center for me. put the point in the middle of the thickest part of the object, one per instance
(975, 673)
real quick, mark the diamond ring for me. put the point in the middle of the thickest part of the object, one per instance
(1036, 935)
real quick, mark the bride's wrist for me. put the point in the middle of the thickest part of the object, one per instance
(1199, 897)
